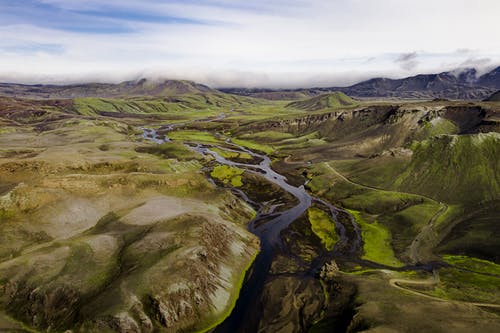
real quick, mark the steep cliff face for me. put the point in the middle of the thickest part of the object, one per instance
(393, 124)
(295, 125)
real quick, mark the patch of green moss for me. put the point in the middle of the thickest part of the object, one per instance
(376, 241)
(7, 130)
(268, 136)
(467, 286)
(5, 215)
(323, 227)
(451, 213)
(232, 154)
(253, 145)
(184, 106)
(228, 174)
(191, 135)
(405, 224)
(439, 126)
(475, 234)
(467, 164)
(331, 100)
(473, 264)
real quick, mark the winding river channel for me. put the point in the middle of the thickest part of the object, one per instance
(268, 232)
(269, 225)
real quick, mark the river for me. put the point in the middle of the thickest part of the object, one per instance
(269, 232)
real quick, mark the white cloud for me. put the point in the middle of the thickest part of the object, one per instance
(257, 43)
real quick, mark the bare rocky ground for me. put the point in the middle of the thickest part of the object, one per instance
(96, 237)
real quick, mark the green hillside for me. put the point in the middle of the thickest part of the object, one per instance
(326, 101)
(455, 169)
(138, 105)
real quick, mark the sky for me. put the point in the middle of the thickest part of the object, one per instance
(244, 43)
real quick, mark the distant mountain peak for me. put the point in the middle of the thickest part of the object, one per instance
(462, 83)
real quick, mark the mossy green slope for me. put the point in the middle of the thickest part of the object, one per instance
(228, 174)
(376, 241)
(154, 105)
(454, 168)
(462, 169)
(323, 227)
(326, 101)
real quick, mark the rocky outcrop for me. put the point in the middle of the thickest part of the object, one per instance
(129, 278)
(295, 125)
(291, 304)
(373, 129)
(329, 270)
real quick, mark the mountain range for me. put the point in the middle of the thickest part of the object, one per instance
(460, 84)
(465, 84)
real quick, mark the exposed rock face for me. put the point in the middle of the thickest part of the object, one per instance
(155, 277)
(375, 129)
(50, 309)
(329, 270)
(452, 85)
(494, 98)
(291, 303)
(295, 125)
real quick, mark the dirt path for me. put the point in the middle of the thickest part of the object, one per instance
(371, 187)
(287, 161)
(427, 233)
(427, 230)
(344, 178)
(396, 283)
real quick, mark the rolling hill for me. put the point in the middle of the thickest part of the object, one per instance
(134, 237)
(142, 87)
(325, 101)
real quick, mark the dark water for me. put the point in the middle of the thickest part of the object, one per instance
(248, 309)
(245, 316)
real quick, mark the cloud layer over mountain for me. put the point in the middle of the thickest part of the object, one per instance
(243, 43)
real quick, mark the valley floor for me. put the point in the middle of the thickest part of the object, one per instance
(105, 226)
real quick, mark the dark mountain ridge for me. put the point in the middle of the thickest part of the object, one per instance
(494, 98)
(459, 84)
(464, 84)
